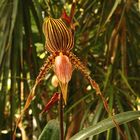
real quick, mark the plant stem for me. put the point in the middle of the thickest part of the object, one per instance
(61, 117)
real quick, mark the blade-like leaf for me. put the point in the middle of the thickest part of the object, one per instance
(106, 124)
(51, 131)
(112, 10)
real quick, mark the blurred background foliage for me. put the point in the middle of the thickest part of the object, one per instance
(107, 40)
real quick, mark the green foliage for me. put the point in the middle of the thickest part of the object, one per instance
(51, 131)
(107, 40)
(105, 125)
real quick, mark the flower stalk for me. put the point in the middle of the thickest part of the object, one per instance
(61, 117)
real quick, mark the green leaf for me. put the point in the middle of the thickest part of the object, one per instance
(106, 124)
(51, 131)
(117, 2)
(127, 84)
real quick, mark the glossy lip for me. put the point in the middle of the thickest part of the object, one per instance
(63, 71)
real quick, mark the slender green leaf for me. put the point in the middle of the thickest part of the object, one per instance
(106, 124)
(117, 2)
(51, 131)
(127, 84)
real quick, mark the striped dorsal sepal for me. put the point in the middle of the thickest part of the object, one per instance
(59, 37)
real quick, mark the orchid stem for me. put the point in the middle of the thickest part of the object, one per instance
(61, 117)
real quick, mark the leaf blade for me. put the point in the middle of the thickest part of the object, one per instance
(106, 124)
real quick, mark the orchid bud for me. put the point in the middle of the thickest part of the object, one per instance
(55, 81)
